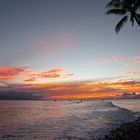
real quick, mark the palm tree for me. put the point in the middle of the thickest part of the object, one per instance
(129, 9)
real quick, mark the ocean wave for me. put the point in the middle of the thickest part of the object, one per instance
(61, 120)
(97, 121)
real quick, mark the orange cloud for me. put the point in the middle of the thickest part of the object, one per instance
(97, 85)
(7, 73)
(36, 86)
(32, 86)
(77, 91)
(63, 88)
(57, 70)
(29, 75)
(30, 80)
(115, 85)
(83, 96)
(66, 90)
(53, 73)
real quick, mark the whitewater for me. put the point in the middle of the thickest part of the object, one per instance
(63, 120)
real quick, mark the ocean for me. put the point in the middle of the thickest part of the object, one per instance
(64, 120)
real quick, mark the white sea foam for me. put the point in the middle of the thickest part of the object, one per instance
(130, 104)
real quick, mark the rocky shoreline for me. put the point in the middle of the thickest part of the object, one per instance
(126, 131)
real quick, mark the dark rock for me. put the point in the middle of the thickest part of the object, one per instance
(126, 131)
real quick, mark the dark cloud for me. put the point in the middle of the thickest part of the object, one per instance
(127, 95)
(12, 95)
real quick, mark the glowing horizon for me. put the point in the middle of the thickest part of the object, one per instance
(66, 49)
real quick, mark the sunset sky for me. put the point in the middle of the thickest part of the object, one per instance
(66, 49)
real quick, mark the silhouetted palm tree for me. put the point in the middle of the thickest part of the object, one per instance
(129, 9)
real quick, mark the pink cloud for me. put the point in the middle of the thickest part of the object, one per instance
(134, 73)
(57, 70)
(104, 61)
(29, 75)
(114, 59)
(135, 59)
(118, 59)
(53, 73)
(30, 80)
(98, 62)
(68, 75)
(7, 73)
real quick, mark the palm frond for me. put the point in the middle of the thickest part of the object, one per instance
(114, 3)
(128, 2)
(127, 8)
(137, 4)
(137, 18)
(116, 11)
(121, 23)
(110, 4)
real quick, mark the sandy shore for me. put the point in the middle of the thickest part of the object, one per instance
(127, 131)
